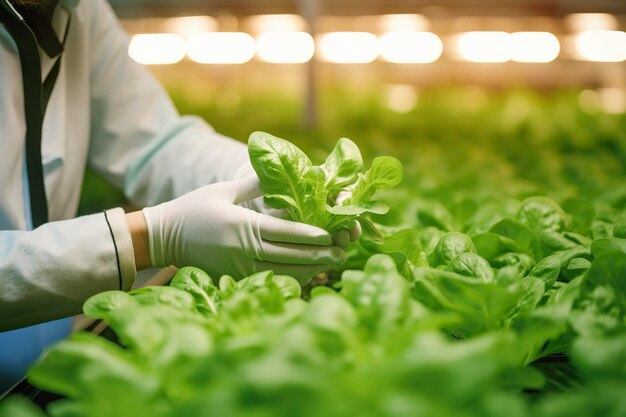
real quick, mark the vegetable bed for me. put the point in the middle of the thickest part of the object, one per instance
(499, 288)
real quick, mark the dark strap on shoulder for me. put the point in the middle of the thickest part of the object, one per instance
(31, 80)
(36, 94)
(40, 22)
(50, 80)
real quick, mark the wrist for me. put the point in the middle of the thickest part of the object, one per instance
(139, 235)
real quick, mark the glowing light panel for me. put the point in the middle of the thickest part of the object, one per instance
(613, 100)
(534, 47)
(157, 48)
(285, 47)
(403, 23)
(400, 98)
(484, 46)
(187, 26)
(579, 22)
(221, 48)
(601, 45)
(348, 47)
(410, 47)
(276, 23)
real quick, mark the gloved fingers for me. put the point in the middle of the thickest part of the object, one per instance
(341, 238)
(245, 171)
(274, 212)
(291, 253)
(342, 196)
(355, 231)
(258, 205)
(246, 189)
(278, 230)
(303, 273)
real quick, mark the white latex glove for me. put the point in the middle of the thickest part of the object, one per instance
(257, 203)
(344, 237)
(341, 238)
(206, 228)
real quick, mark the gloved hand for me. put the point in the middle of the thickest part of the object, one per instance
(344, 237)
(257, 203)
(341, 238)
(206, 228)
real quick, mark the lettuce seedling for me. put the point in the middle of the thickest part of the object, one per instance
(310, 193)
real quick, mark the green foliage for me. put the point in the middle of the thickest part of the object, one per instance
(309, 193)
(17, 406)
(263, 351)
(503, 247)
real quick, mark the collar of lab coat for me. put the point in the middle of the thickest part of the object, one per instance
(58, 23)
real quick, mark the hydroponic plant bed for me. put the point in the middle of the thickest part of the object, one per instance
(499, 289)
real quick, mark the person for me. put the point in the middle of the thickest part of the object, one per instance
(91, 105)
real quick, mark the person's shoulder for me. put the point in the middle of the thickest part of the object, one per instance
(94, 15)
(80, 8)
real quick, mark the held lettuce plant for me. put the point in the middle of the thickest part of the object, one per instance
(310, 193)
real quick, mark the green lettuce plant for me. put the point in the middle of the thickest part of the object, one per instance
(311, 194)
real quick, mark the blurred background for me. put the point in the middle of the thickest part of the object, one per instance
(521, 96)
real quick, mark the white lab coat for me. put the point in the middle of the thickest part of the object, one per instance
(109, 113)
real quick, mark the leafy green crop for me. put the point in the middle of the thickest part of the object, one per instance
(309, 193)
(254, 348)
(498, 289)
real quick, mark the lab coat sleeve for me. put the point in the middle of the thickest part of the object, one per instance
(48, 273)
(139, 142)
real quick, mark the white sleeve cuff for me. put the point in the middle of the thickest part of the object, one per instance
(120, 234)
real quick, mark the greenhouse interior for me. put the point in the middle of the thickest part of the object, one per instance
(372, 208)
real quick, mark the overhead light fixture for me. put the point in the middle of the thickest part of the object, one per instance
(187, 26)
(285, 47)
(221, 48)
(348, 47)
(580, 22)
(400, 98)
(601, 45)
(403, 23)
(589, 101)
(534, 47)
(489, 46)
(613, 100)
(276, 23)
(410, 47)
(157, 48)
(609, 100)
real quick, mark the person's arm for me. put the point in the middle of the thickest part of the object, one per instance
(48, 273)
(139, 237)
(139, 142)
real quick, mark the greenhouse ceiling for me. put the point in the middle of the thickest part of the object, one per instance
(136, 8)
